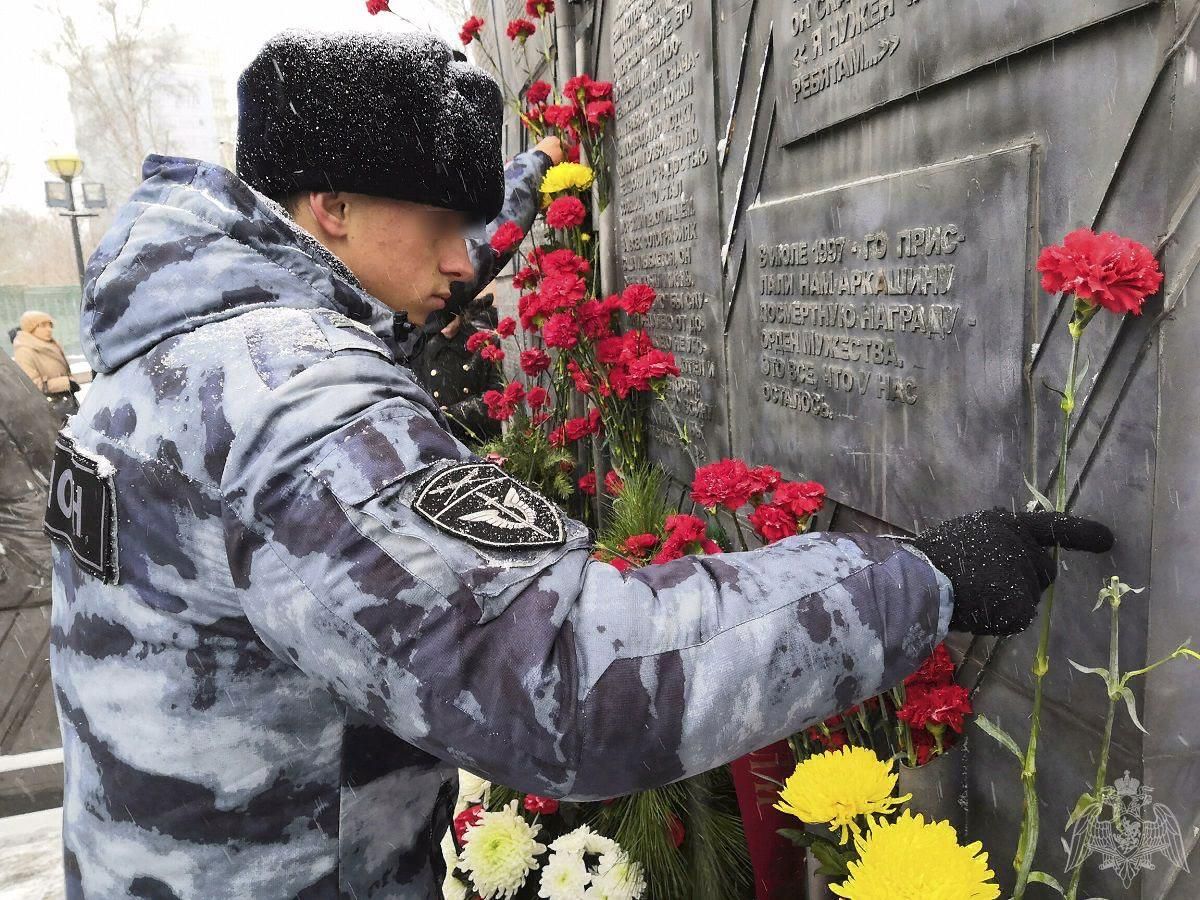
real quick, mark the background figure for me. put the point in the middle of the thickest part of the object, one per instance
(43, 360)
(27, 717)
(456, 378)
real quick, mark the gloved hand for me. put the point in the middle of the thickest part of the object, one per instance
(997, 565)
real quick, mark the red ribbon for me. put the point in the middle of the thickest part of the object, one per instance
(778, 863)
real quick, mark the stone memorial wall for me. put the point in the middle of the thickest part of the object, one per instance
(841, 203)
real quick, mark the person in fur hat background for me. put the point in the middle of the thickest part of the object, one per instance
(43, 360)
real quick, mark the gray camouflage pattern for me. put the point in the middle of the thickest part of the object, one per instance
(273, 699)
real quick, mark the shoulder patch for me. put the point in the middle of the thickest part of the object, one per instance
(81, 510)
(344, 333)
(483, 504)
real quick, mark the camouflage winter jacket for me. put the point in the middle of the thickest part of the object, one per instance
(292, 604)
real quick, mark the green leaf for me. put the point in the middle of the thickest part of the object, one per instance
(832, 861)
(999, 734)
(1132, 707)
(1083, 806)
(1088, 670)
(1082, 373)
(1041, 498)
(1050, 880)
(798, 837)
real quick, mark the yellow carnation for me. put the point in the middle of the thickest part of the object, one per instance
(567, 176)
(837, 786)
(911, 860)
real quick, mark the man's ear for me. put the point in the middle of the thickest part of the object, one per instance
(330, 210)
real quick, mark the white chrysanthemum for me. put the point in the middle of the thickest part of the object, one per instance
(500, 852)
(619, 878)
(584, 840)
(453, 889)
(471, 788)
(564, 877)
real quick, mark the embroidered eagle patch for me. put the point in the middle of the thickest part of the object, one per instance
(485, 505)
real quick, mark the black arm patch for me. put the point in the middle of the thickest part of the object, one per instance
(485, 505)
(81, 509)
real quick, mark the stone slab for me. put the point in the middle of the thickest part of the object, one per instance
(886, 331)
(841, 58)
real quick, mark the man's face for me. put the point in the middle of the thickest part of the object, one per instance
(405, 254)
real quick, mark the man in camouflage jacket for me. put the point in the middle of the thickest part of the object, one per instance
(288, 605)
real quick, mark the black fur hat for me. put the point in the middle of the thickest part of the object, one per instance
(391, 115)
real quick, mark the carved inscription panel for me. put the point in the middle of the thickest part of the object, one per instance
(886, 334)
(667, 212)
(839, 58)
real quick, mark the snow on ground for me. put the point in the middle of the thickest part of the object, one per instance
(31, 856)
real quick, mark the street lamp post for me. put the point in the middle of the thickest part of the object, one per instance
(67, 168)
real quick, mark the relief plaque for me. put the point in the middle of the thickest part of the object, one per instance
(836, 59)
(884, 339)
(667, 209)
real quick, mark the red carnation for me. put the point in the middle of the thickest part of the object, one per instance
(579, 377)
(942, 705)
(640, 544)
(621, 565)
(492, 353)
(507, 237)
(375, 7)
(470, 29)
(599, 90)
(613, 484)
(803, 498)
(1106, 269)
(534, 362)
(637, 299)
(675, 830)
(520, 29)
(562, 290)
(506, 327)
(653, 366)
(537, 397)
(587, 484)
(539, 8)
(723, 483)
(560, 262)
(566, 212)
(560, 330)
(466, 819)
(477, 340)
(560, 116)
(538, 92)
(557, 437)
(546, 806)
(762, 480)
(524, 278)
(498, 407)
(575, 429)
(937, 669)
(773, 523)
(599, 111)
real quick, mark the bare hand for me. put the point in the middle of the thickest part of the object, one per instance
(552, 147)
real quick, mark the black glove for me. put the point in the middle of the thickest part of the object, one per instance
(73, 385)
(997, 565)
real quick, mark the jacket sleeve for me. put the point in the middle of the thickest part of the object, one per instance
(542, 668)
(522, 178)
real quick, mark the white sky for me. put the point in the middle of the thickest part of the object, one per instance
(35, 117)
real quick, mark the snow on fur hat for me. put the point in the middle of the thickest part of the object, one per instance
(391, 115)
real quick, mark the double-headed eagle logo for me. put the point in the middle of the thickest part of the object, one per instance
(485, 505)
(1128, 841)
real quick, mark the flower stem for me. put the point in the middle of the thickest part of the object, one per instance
(1109, 718)
(1027, 843)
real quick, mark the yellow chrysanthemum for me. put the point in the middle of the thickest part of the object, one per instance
(837, 786)
(567, 176)
(911, 860)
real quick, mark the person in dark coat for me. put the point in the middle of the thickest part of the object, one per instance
(457, 378)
